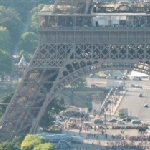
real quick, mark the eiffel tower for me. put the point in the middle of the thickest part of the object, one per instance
(73, 43)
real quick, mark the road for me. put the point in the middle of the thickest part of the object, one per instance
(103, 140)
(102, 82)
(132, 101)
(135, 104)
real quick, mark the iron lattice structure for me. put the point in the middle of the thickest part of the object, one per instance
(71, 45)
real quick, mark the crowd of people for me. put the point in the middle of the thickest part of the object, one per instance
(140, 138)
(101, 138)
(112, 146)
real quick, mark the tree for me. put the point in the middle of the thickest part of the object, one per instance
(46, 120)
(5, 99)
(4, 39)
(62, 101)
(6, 146)
(53, 108)
(81, 82)
(5, 62)
(34, 18)
(29, 42)
(16, 143)
(30, 141)
(11, 145)
(26, 55)
(10, 19)
(45, 146)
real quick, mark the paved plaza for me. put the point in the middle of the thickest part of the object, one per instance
(119, 139)
(110, 138)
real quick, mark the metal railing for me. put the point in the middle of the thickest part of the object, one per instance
(94, 28)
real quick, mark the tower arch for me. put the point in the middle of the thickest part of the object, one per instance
(72, 45)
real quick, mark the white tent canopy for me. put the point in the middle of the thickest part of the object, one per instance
(138, 74)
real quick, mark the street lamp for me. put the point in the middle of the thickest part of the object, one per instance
(105, 116)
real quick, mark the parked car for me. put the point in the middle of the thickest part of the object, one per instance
(124, 77)
(138, 86)
(132, 85)
(120, 122)
(126, 119)
(119, 78)
(94, 86)
(146, 105)
(136, 122)
(112, 120)
(140, 95)
(98, 121)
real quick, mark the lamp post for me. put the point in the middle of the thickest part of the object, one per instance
(72, 96)
(105, 116)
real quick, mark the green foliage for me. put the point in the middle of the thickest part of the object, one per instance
(62, 101)
(5, 62)
(16, 142)
(5, 99)
(30, 141)
(12, 145)
(6, 146)
(81, 82)
(10, 19)
(45, 146)
(29, 42)
(26, 55)
(53, 108)
(4, 39)
(34, 18)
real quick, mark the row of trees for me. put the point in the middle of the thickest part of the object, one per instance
(10, 19)
(11, 26)
(34, 142)
(5, 62)
(30, 142)
(30, 38)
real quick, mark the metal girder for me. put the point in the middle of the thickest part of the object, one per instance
(40, 84)
(65, 55)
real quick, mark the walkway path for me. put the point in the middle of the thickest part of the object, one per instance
(103, 138)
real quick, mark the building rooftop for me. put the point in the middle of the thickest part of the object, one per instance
(67, 7)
